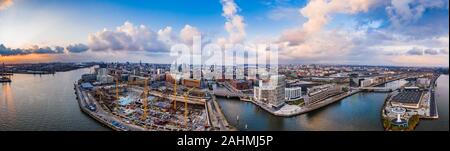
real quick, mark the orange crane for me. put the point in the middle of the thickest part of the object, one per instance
(185, 106)
(117, 93)
(174, 96)
(144, 116)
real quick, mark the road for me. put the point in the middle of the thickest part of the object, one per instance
(101, 115)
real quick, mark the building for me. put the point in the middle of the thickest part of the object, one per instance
(366, 82)
(172, 78)
(322, 92)
(87, 86)
(423, 82)
(89, 77)
(240, 84)
(103, 77)
(192, 83)
(354, 80)
(409, 97)
(271, 91)
(293, 93)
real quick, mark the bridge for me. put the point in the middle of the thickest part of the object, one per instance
(376, 89)
(230, 92)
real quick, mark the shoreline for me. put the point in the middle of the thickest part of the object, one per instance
(89, 113)
(431, 101)
(129, 127)
(301, 110)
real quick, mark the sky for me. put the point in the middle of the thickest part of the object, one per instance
(356, 32)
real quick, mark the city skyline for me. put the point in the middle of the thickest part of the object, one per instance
(354, 32)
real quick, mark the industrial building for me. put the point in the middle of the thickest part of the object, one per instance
(409, 97)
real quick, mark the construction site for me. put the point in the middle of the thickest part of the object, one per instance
(133, 102)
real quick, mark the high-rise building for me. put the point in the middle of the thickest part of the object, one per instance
(271, 91)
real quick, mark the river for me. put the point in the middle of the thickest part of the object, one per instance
(359, 112)
(43, 103)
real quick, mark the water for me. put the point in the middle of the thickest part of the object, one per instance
(43, 102)
(440, 124)
(360, 112)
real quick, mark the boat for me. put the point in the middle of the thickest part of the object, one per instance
(5, 79)
(4, 75)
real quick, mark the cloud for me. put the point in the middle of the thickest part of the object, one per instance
(318, 14)
(367, 40)
(406, 11)
(310, 40)
(234, 25)
(187, 34)
(431, 51)
(318, 11)
(415, 51)
(444, 51)
(77, 48)
(126, 37)
(129, 37)
(5, 4)
(59, 49)
(5, 51)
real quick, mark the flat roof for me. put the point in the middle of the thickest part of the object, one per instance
(86, 85)
(408, 97)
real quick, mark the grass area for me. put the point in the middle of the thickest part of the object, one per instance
(412, 123)
(299, 102)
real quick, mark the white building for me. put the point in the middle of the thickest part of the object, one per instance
(103, 77)
(271, 91)
(293, 93)
(423, 82)
(367, 82)
(322, 92)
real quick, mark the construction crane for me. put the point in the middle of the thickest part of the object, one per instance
(175, 95)
(185, 106)
(117, 93)
(144, 115)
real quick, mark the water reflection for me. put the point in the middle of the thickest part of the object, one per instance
(360, 112)
(7, 101)
(43, 102)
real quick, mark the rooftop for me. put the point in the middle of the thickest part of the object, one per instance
(407, 97)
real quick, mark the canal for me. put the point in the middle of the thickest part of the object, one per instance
(359, 112)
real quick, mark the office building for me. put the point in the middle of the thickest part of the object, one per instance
(271, 91)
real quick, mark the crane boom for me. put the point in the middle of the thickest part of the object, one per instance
(185, 106)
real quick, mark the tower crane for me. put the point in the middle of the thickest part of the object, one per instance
(144, 116)
(175, 95)
(185, 106)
